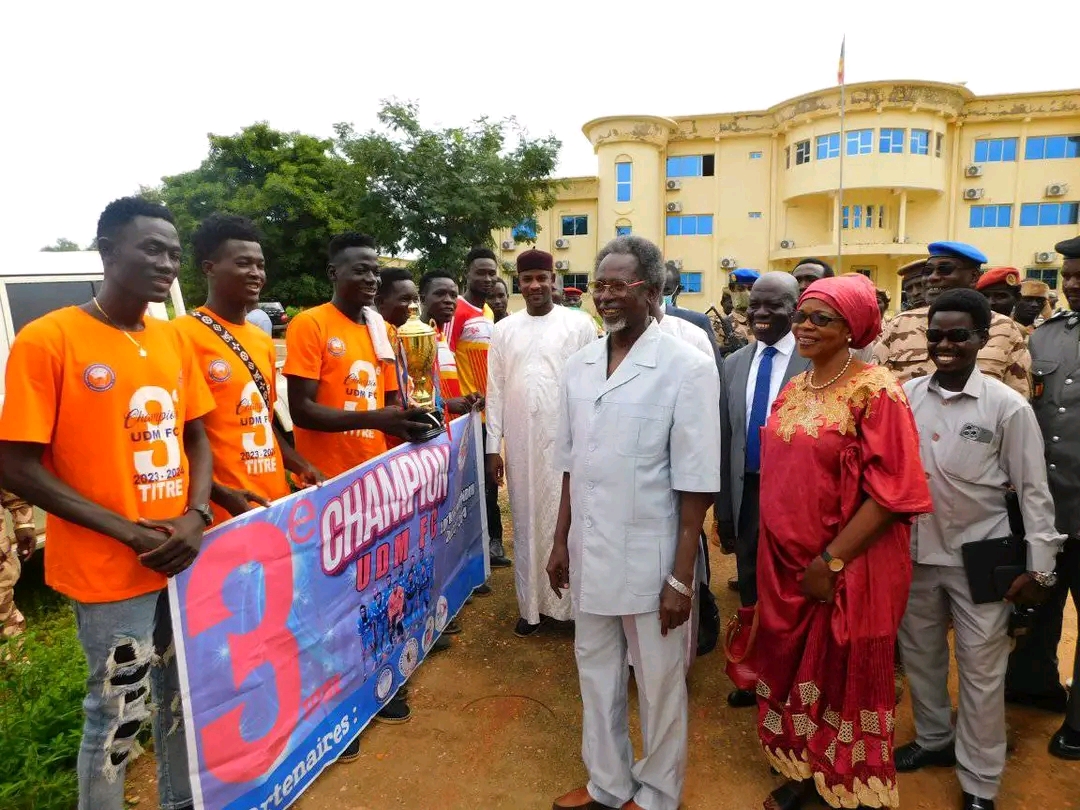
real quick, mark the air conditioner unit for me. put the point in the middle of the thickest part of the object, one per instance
(674, 207)
(973, 170)
(973, 193)
(677, 264)
(787, 244)
(1057, 189)
(562, 265)
(729, 263)
(1044, 257)
(508, 244)
(562, 244)
(674, 185)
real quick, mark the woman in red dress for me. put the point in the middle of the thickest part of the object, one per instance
(841, 481)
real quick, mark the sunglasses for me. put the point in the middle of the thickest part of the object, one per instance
(959, 335)
(615, 288)
(816, 318)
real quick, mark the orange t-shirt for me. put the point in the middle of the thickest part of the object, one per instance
(113, 423)
(241, 428)
(324, 345)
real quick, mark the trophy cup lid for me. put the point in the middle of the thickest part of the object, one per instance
(414, 327)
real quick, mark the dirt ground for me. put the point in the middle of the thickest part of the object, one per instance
(497, 726)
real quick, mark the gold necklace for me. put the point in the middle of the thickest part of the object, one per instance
(810, 380)
(105, 315)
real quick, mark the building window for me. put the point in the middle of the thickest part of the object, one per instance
(524, 231)
(875, 216)
(690, 282)
(990, 216)
(689, 225)
(859, 216)
(891, 142)
(755, 215)
(787, 157)
(802, 153)
(755, 155)
(1047, 274)
(1052, 147)
(995, 150)
(828, 146)
(691, 166)
(623, 230)
(939, 141)
(579, 281)
(1063, 213)
(920, 142)
(860, 142)
(623, 173)
(515, 288)
(575, 226)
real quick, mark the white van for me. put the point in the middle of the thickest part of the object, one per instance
(38, 283)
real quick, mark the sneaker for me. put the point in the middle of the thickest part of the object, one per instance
(523, 629)
(482, 590)
(441, 643)
(351, 752)
(498, 561)
(396, 711)
(452, 629)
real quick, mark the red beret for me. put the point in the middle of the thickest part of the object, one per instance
(998, 275)
(535, 260)
(572, 290)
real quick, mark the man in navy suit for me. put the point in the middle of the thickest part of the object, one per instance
(672, 287)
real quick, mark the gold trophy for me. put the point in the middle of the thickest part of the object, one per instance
(417, 348)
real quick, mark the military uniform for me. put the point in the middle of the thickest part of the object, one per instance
(902, 350)
(728, 340)
(1055, 351)
(12, 622)
(740, 322)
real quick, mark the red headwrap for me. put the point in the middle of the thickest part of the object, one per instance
(854, 298)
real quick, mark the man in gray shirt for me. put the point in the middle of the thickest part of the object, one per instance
(638, 446)
(976, 437)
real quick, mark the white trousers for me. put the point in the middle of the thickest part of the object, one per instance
(601, 644)
(982, 654)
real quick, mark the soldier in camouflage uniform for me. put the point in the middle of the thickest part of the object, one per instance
(902, 347)
(15, 547)
(1001, 287)
(913, 285)
(742, 280)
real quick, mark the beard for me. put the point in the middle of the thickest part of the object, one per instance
(616, 325)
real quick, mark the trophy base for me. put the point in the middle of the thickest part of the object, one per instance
(436, 428)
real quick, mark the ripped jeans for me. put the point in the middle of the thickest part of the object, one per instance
(132, 662)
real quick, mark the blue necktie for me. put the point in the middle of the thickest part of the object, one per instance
(759, 410)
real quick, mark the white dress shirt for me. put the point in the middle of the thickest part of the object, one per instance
(687, 331)
(785, 347)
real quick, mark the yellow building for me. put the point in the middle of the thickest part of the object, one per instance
(923, 161)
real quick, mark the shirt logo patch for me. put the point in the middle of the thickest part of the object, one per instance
(99, 377)
(335, 346)
(974, 433)
(219, 371)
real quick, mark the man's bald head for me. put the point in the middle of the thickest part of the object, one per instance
(773, 299)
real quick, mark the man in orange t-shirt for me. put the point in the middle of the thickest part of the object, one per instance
(102, 429)
(250, 458)
(342, 393)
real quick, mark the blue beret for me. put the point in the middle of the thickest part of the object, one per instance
(958, 250)
(745, 276)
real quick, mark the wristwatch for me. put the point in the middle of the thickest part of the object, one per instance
(203, 511)
(1044, 579)
(836, 565)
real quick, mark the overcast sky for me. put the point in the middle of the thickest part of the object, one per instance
(101, 97)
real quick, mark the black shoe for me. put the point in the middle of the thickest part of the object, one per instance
(733, 584)
(972, 802)
(1054, 702)
(498, 561)
(741, 699)
(912, 757)
(452, 628)
(403, 692)
(351, 752)
(482, 590)
(1065, 744)
(441, 643)
(394, 712)
(523, 629)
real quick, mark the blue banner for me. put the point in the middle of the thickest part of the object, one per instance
(298, 622)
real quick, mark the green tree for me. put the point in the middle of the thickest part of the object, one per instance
(443, 191)
(61, 246)
(286, 182)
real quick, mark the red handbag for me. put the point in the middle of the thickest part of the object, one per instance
(738, 647)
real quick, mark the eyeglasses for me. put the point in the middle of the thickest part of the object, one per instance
(615, 288)
(816, 318)
(959, 335)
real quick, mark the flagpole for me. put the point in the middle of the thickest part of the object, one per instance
(843, 149)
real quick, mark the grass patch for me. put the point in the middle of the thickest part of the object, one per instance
(42, 684)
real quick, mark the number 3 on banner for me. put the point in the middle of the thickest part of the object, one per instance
(229, 756)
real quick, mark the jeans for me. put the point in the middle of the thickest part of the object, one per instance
(132, 662)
